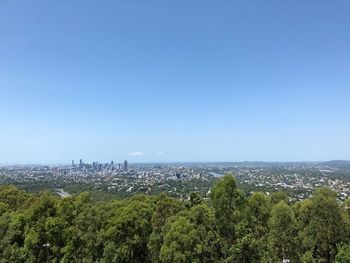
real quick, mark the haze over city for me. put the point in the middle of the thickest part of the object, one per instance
(174, 81)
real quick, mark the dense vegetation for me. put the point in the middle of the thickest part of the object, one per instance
(101, 192)
(230, 227)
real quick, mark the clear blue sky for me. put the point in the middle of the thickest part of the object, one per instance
(174, 80)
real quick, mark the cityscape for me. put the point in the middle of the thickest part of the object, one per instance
(175, 131)
(299, 180)
(95, 166)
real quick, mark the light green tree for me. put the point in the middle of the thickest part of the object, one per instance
(343, 255)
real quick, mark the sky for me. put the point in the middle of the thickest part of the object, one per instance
(174, 81)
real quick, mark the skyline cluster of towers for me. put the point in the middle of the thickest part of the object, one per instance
(98, 166)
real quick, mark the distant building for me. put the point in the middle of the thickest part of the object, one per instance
(95, 166)
(73, 163)
(125, 165)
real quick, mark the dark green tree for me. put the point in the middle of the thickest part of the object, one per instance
(130, 230)
(323, 225)
(195, 199)
(223, 197)
(165, 208)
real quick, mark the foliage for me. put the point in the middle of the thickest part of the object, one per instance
(230, 227)
(343, 255)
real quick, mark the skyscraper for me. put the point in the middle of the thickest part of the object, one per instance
(125, 165)
(73, 163)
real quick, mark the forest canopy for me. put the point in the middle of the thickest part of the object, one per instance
(228, 227)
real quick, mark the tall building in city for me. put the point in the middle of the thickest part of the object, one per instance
(125, 165)
(73, 163)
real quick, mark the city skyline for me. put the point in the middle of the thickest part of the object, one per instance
(120, 165)
(188, 81)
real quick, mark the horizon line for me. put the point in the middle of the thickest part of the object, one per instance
(173, 162)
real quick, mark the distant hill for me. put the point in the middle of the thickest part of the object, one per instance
(337, 164)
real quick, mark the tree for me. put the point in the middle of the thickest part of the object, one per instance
(307, 257)
(246, 249)
(130, 230)
(232, 228)
(343, 255)
(110, 253)
(165, 208)
(276, 197)
(323, 225)
(180, 243)
(14, 198)
(195, 198)
(191, 237)
(223, 197)
(252, 229)
(258, 207)
(202, 217)
(3, 208)
(282, 225)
